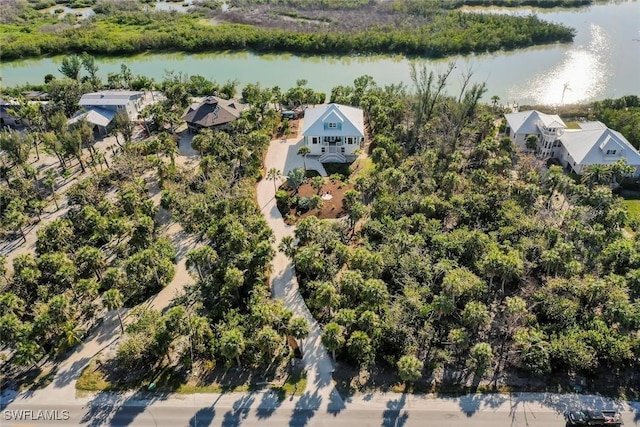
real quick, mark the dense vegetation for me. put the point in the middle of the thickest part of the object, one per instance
(460, 255)
(107, 250)
(128, 30)
(467, 256)
(413, 5)
(100, 244)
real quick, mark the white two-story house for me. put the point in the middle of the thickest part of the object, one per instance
(593, 143)
(547, 128)
(334, 132)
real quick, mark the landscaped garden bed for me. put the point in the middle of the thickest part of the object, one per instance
(317, 196)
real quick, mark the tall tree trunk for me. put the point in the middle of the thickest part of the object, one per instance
(120, 319)
(79, 157)
(55, 199)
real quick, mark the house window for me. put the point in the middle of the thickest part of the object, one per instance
(342, 149)
(322, 149)
(332, 125)
(314, 140)
(349, 140)
(611, 152)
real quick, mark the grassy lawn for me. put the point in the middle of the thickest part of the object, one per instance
(93, 379)
(633, 206)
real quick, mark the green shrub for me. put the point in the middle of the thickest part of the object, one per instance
(304, 203)
(282, 197)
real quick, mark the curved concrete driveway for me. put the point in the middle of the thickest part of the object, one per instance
(284, 285)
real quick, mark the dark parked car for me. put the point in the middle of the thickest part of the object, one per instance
(588, 417)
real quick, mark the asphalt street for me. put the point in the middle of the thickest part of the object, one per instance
(230, 417)
(265, 409)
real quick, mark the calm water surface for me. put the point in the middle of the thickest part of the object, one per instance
(602, 62)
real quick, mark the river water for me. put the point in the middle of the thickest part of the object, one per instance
(602, 62)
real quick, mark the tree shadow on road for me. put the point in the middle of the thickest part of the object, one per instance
(305, 409)
(271, 400)
(472, 403)
(336, 403)
(118, 409)
(240, 411)
(203, 418)
(392, 416)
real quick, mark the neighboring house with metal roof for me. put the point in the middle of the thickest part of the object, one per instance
(6, 118)
(593, 143)
(100, 108)
(101, 119)
(127, 101)
(212, 113)
(334, 132)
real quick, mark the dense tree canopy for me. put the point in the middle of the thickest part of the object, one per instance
(474, 256)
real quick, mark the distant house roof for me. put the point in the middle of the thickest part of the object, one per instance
(116, 97)
(343, 113)
(213, 111)
(36, 95)
(588, 145)
(4, 102)
(526, 122)
(94, 115)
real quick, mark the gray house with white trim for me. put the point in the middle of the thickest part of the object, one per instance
(100, 108)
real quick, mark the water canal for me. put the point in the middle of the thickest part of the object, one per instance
(602, 62)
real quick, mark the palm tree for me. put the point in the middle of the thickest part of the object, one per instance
(317, 182)
(168, 147)
(72, 334)
(273, 174)
(304, 151)
(299, 329)
(112, 300)
(232, 344)
(494, 101)
(596, 174)
(50, 181)
(531, 142)
(333, 338)
(409, 369)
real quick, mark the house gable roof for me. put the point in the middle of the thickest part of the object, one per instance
(94, 115)
(352, 120)
(589, 145)
(213, 111)
(526, 122)
(119, 97)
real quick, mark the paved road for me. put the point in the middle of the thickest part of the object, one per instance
(175, 417)
(264, 409)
